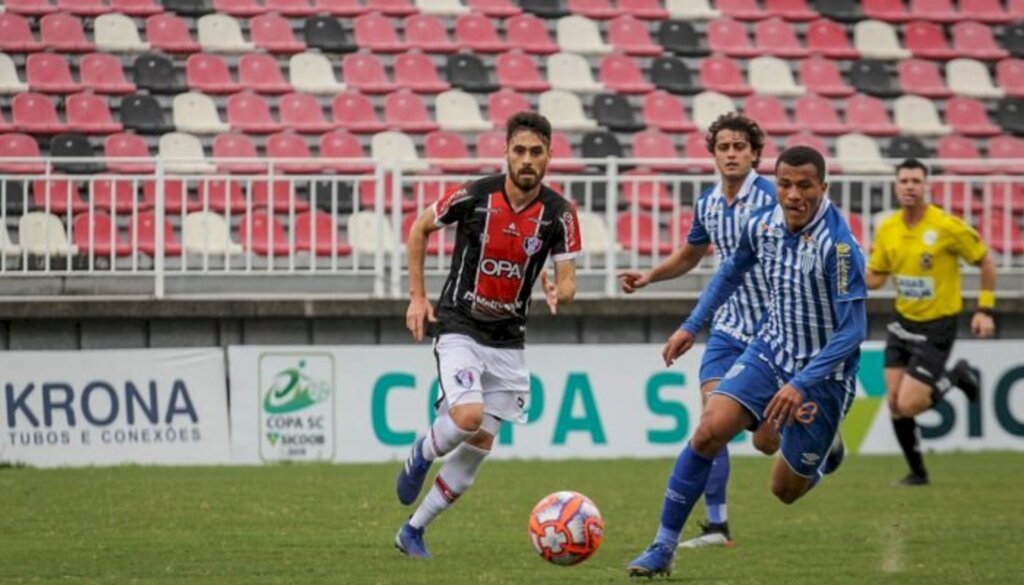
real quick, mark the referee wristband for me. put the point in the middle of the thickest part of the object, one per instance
(986, 300)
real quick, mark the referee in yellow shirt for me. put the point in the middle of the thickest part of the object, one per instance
(920, 246)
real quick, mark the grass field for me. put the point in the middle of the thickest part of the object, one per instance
(334, 524)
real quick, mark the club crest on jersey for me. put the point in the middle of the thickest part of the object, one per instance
(511, 230)
(930, 237)
(464, 378)
(926, 261)
(531, 245)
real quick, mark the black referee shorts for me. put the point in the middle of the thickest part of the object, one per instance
(921, 347)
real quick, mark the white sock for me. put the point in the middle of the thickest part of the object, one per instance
(443, 437)
(456, 476)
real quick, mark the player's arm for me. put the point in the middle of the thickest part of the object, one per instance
(675, 265)
(982, 322)
(563, 290)
(878, 265)
(420, 308)
(875, 280)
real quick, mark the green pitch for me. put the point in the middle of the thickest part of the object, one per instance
(334, 524)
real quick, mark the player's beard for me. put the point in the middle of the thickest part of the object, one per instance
(527, 182)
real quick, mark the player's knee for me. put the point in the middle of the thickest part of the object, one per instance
(911, 403)
(707, 440)
(468, 417)
(766, 441)
(481, 440)
(787, 494)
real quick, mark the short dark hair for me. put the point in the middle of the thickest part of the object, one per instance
(910, 164)
(527, 120)
(797, 156)
(737, 122)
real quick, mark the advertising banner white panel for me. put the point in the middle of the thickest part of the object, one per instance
(110, 407)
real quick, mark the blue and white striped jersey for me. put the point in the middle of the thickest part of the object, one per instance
(718, 223)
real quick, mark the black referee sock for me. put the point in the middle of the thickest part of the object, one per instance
(906, 434)
(940, 388)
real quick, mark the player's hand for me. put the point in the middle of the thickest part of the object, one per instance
(419, 310)
(784, 405)
(550, 292)
(680, 343)
(633, 280)
(983, 325)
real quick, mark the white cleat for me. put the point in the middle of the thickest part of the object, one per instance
(711, 535)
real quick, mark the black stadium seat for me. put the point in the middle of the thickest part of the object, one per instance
(143, 114)
(468, 72)
(841, 10)
(194, 8)
(672, 75)
(545, 8)
(156, 73)
(326, 33)
(680, 37)
(77, 146)
(873, 78)
(614, 112)
(1010, 115)
(902, 147)
(1013, 39)
(600, 144)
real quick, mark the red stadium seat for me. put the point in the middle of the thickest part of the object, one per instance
(723, 75)
(769, 153)
(777, 37)
(96, 234)
(221, 195)
(102, 73)
(368, 197)
(114, 193)
(36, 114)
(30, 7)
(816, 114)
(136, 7)
(869, 116)
(273, 33)
(955, 196)
(209, 74)
(885, 10)
(1009, 148)
(959, 148)
(239, 7)
(237, 146)
(142, 230)
(653, 144)
(89, 114)
(50, 73)
(519, 72)
(64, 33)
(261, 74)
(1008, 195)
(375, 32)
(405, 111)
(249, 112)
(1010, 76)
(490, 145)
(495, 8)
(451, 151)
(593, 9)
(416, 71)
(975, 40)
(291, 7)
(83, 7)
(793, 10)
(927, 40)
(502, 104)
(170, 34)
(857, 228)
(302, 113)
(530, 34)
(1002, 234)
(741, 9)
(821, 76)
(968, 116)
(366, 73)
(645, 9)
(643, 187)
(477, 33)
(644, 238)
(428, 34)
(57, 195)
(16, 35)
(922, 78)
(291, 146)
(935, 10)
(696, 148)
(5, 126)
(354, 112)
(621, 74)
(828, 38)
(665, 112)
(392, 7)
(264, 234)
(563, 157)
(730, 38)
(629, 34)
(989, 11)
(341, 7)
(283, 195)
(176, 199)
(127, 146)
(339, 144)
(815, 142)
(21, 146)
(769, 113)
(433, 240)
(316, 232)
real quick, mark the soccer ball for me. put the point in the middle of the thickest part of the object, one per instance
(566, 528)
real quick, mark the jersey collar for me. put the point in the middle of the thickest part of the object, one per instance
(745, 188)
(779, 219)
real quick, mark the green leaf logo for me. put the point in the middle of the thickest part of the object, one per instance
(293, 389)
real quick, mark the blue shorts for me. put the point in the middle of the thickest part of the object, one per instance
(754, 380)
(720, 353)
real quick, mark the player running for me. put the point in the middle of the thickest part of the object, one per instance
(920, 246)
(508, 225)
(721, 213)
(799, 371)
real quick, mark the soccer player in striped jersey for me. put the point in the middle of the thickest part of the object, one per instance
(722, 211)
(799, 371)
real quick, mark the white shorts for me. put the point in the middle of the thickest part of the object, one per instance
(471, 373)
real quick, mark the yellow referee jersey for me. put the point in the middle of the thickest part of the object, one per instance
(924, 261)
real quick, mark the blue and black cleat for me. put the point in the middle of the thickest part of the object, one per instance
(409, 541)
(411, 476)
(657, 559)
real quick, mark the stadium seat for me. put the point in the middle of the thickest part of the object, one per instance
(114, 194)
(671, 74)
(197, 113)
(209, 74)
(364, 72)
(935, 10)
(428, 34)
(792, 10)
(629, 34)
(339, 144)
(622, 74)
(640, 232)
(89, 114)
(769, 113)
(136, 7)
(872, 77)
(530, 34)
(392, 7)
(169, 33)
(449, 152)
(405, 111)
(614, 112)
(234, 145)
(654, 144)
(495, 8)
(829, 39)
(682, 38)
(988, 11)
(741, 9)
(368, 197)
(975, 40)
(721, 74)
(20, 146)
(869, 115)
(565, 111)
(878, 40)
(239, 7)
(917, 116)
(142, 231)
(64, 33)
(273, 33)
(5, 126)
(346, 8)
(921, 77)
(691, 10)
(375, 32)
(143, 114)
(859, 154)
(959, 148)
(316, 232)
(563, 157)
(547, 9)
(577, 34)
(491, 145)
(291, 7)
(58, 195)
(517, 71)
(1008, 148)
(248, 112)
(600, 145)
(503, 104)
(49, 73)
(772, 76)
(222, 194)
(102, 73)
(206, 233)
(396, 147)
(571, 72)
(776, 37)
(1003, 235)
(1010, 115)
(1010, 75)
(30, 7)
(325, 33)
(279, 195)
(74, 146)
(816, 113)
(708, 106)
(416, 72)
(821, 76)
(43, 234)
(183, 153)
(35, 113)
(1013, 39)
(665, 112)
(903, 147)
(728, 37)
(886, 11)
(645, 189)
(127, 146)
(971, 78)
(116, 33)
(817, 143)
(458, 111)
(9, 80)
(368, 232)
(955, 196)
(354, 112)
(468, 72)
(220, 33)
(841, 10)
(968, 116)
(312, 73)
(477, 33)
(261, 74)
(16, 35)
(594, 9)
(442, 7)
(927, 40)
(194, 8)
(645, 9)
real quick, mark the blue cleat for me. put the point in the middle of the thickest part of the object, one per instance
(657, 559)
(411, 476)
(835, 456)
(409, 542)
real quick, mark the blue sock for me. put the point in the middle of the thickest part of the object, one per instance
(714, 491)
(685, 486)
